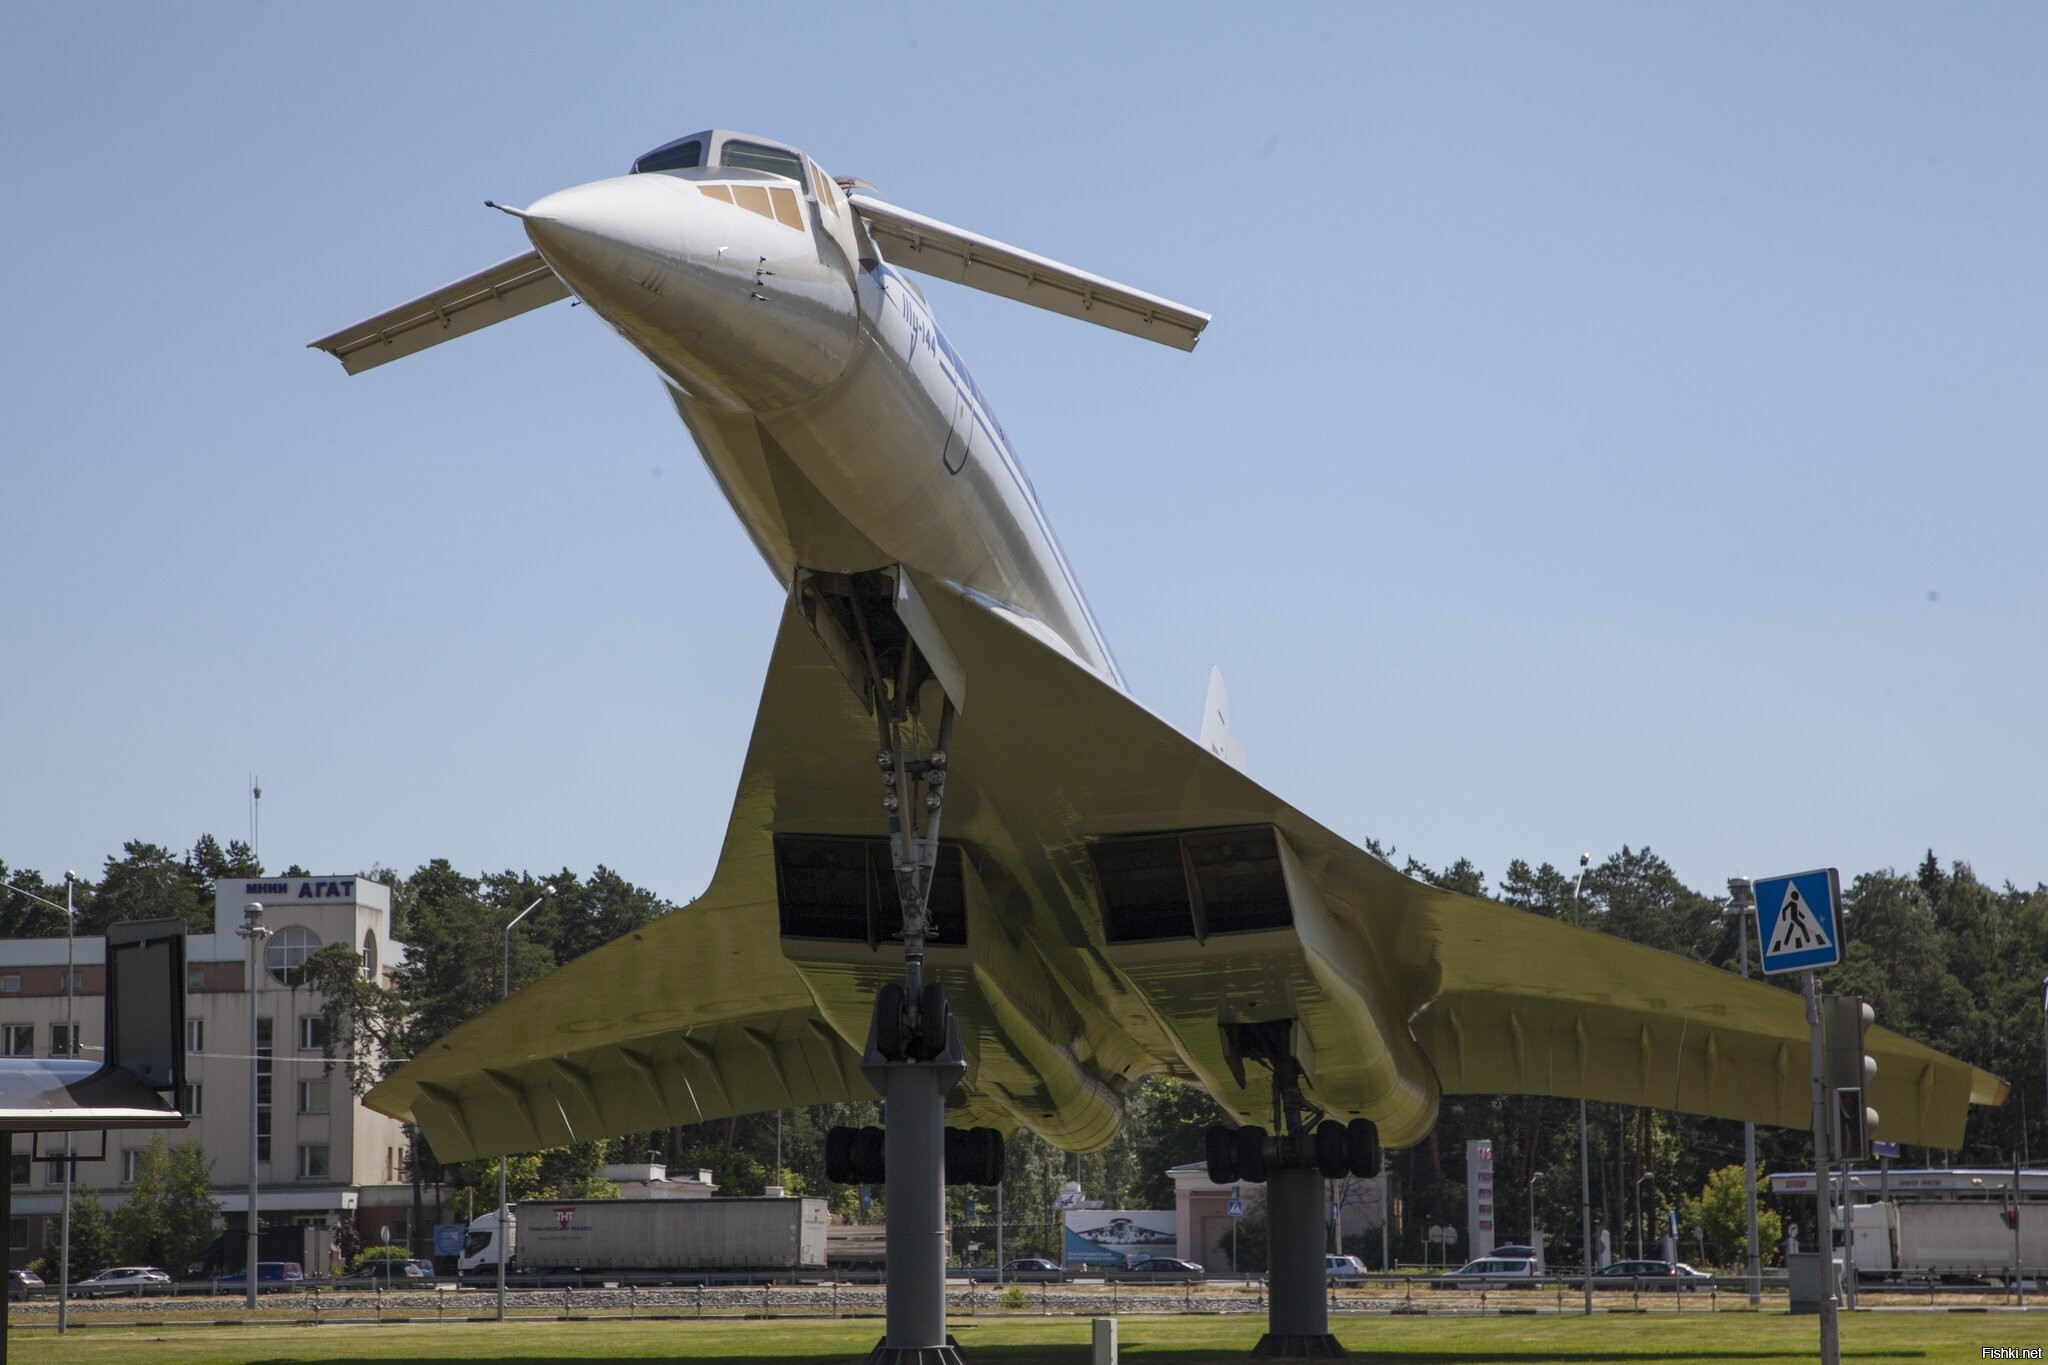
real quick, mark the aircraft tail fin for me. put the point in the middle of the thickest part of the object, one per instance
(1216, 736)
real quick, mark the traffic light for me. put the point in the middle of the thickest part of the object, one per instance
(1849, 1071)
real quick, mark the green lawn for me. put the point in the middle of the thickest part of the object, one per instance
(1720, 1338)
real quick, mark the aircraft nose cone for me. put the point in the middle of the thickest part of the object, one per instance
(736, 307)
(605, 238)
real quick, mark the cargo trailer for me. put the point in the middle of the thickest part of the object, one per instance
(603, 1235)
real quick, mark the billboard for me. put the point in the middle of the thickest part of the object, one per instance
(1113, 1237)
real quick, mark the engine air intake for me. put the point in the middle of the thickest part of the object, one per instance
(844, 889)
(1191, 884)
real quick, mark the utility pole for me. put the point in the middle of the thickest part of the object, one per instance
(504, 1209)
(1742, 899)
(1823, 1238)
(1585, 1160)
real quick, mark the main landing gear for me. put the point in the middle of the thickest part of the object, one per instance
(913, 1055)
(1292, 1162)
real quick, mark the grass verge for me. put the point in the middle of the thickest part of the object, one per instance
(1713, 1339)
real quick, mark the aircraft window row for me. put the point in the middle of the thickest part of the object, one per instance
(677, 156)
(770, 201)
(753, 156)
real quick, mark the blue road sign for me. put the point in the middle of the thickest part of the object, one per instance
(1237, 1208)
(1799, 920)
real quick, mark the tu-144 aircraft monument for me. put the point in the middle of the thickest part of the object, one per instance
(965, 869)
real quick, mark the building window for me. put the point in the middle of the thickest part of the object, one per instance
(286, 956)
(195, 1035)
(63, 1040)
(391, 1165)
(313, 1162)
(53, 1172)
(312, 1032)
(17, 1234)
(17, 1040)
(369, 954)
(192, 1098)
(129, 1159)
(195, 978)
(17, 1168)
(72, 982)
(312, 1097)
(10, 983)
(263, 1069)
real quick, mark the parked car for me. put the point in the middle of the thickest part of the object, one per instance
(1631, 1274)
(1490, 1272)
(23, 1284)
(1339, 1269)
(1033, 1268)
(386, 1274)
(1157, 1268)
(270, 1275)
(123, 1279)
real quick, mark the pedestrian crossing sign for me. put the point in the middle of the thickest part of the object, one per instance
(1799, 920)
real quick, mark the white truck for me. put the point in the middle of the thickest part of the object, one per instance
(1937, 1239)
(556, 1236)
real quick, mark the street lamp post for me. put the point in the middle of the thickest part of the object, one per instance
(70, 1051)
(504, 1211)
(252, 932)
(1742, 901)
(1535, 1241)
(1585, 1160)
(1646, 1175)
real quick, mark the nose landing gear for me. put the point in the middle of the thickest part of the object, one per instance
(914, 1054)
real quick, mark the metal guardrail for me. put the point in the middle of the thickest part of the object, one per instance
(448, 1301)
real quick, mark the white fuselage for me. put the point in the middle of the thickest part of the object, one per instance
(836, 418)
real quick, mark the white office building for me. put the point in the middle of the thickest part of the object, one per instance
(322, 1157)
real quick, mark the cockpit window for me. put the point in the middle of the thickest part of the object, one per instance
(682, 155)
(752, 156)
(825, 188)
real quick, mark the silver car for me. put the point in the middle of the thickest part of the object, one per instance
(1491, 1272)
(123, 1279)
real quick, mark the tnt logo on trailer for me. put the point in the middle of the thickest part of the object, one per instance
(1799, 920)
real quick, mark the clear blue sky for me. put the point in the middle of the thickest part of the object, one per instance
(1621, 423)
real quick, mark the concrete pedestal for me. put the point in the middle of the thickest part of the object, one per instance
(914, 1128)
(1298, 1313)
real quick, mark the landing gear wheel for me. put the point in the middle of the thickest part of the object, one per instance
(1250, 1142)
(974, 1156)
(931, 1020)
(870, 1150)
(1362, 1140)
(985, 1148)
(1333, 1156)
(1222, 1154)
(889, 1021)
(839, 1156)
